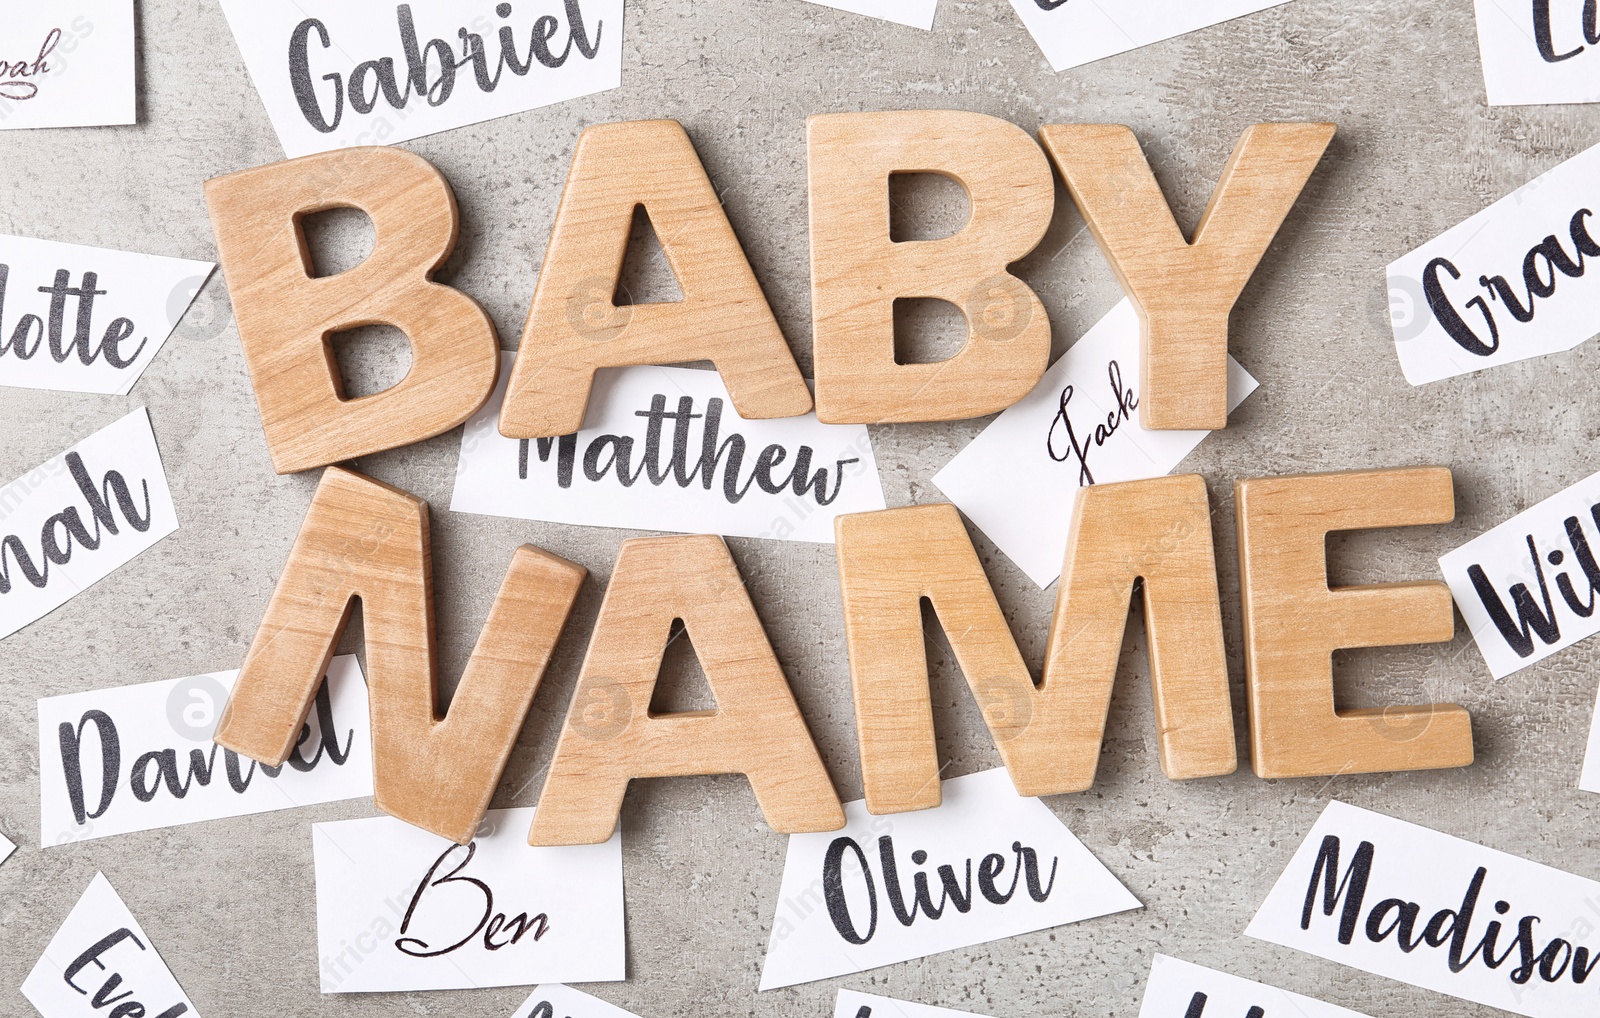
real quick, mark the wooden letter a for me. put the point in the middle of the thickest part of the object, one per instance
(368, 540)
(610, 735)
(574, 327)
(1048, 734)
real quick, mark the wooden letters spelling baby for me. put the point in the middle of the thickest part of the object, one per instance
(365, 539)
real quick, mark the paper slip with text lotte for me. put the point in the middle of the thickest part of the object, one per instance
(87, 319)
(401, 909)
(135, 758)
(1399, 900)
(662, 449)
(985, 865)
(1079, 426)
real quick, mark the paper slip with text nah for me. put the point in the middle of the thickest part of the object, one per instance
(662, 449)
(136, 758)
(985, 865)
(1539, 51)
(401, 909)
(1076, 32)
(1079, 426)
(557, 1001)
(913, 13)
(1528, 588)
(1178, 989)
(1399, 900)
(87, 319)
(850, 1004)
(336, 73)
(66, 63)
(72, 520)
(1517, 280)
(101, 954)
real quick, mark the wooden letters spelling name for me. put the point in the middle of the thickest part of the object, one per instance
(367, 540)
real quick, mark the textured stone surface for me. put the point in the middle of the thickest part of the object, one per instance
(230, 903)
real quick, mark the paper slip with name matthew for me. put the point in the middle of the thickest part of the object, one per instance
(401, 909)
(101, 954)
(985, 865)
(67, 63)
(1536, 52)
(1398, 900)
(334, 73)
(1079, 426)
(135, 758)
(1177, 989)
(1075, 32)
(557, 1001)
(87, 319)
(662, 449)
(1527, 588)
(74, 519)
(913, 13)
(1517, 280)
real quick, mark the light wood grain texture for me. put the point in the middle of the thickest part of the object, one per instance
(286, 317)
(857, 272)
(610, 736)
(1184, 292)
(362, 539)
(574, 327)
(1049, 735)
(1293, 622)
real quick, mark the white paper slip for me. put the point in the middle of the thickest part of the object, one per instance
(1398, 900)
(557, 1001)
(102, 954)
(7, 846)
(1527, 588)
(87, 319)
(985, 865)
(1515, 281)
(67, 63)
(851, 1004)
(135, 758)
(334, 73)
(1538, 51)
(663, 449)
(1079, 426)
(74, 519)
(1590, 781)
(1076, 32)
(1178, 989)
(915, 13)
(401, 909)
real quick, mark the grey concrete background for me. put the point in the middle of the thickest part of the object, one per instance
(230, 903)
